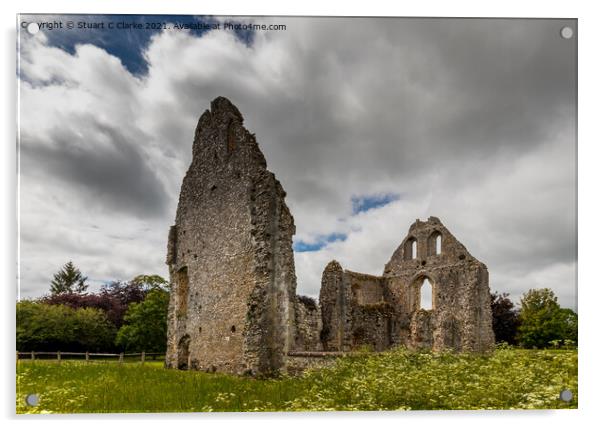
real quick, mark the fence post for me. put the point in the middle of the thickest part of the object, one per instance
(87, 357)
(142, 357)
(58, 356)
(33, 355)
(120, 357)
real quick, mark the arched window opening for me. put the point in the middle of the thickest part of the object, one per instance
(434, 244)
(410, 251)
(184, 353)
(426, 295)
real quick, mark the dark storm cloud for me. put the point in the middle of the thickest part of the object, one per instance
(470, 120)
(106, 167)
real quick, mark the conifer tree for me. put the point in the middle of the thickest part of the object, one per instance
(68, 280)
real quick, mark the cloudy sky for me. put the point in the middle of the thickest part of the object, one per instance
(368, 123)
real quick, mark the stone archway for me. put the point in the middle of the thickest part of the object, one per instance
(183, 352)
(422, 319)
(418, 292)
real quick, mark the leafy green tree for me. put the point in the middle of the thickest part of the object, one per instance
(568, 319)
(505, 318)
(68, 280)
(543, 322)
(150, 282)
(44, 327)
(145, 327)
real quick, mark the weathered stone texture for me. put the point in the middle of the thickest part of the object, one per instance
(230, 255)
(385, 311)
(308, 324)
(233, 305)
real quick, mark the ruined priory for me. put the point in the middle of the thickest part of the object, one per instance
(233, 305)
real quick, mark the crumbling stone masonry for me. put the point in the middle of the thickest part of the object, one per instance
(385, 311)
(233, 304)
(230, 256)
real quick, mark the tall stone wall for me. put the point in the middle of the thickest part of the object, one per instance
(230, 255)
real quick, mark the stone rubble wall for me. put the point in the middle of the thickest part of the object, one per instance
(385, 311)
(233, 305)
(230, 255)
(308, 325)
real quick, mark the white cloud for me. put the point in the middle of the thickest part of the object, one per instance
(474, 130)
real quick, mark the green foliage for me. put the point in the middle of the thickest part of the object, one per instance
(68, 280)
(150, 282)
(43, 327)
(543, 323)
(145, 327)
(396, 379)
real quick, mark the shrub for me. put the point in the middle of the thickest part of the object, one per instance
(44, 327)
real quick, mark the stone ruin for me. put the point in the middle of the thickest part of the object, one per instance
(233, 304)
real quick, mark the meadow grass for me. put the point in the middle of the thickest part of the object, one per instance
(397, 379)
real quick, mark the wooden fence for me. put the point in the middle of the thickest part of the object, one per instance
(87, 356)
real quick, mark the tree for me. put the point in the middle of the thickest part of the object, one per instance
(43, 327)
(145, 327)
(122, 294)
(505, 318)
(544, 322)
(113, 298)
(68, 280)
(150, 282)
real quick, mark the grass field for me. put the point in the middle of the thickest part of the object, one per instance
(397, 379)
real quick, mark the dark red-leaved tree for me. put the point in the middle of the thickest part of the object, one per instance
(113, 298)
(505, 318)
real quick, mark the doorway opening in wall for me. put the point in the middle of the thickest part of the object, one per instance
(426, 295)
(183, 352)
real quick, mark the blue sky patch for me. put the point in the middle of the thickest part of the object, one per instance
(319, 243)
(365, 203)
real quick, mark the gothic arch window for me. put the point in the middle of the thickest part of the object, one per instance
(426, 295)
(410, 251)
(434, 243)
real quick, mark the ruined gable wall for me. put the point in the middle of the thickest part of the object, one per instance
(233, 240)
(461, 315)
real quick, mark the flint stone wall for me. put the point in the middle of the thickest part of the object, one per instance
(385, 311)
(230, 255)
(233, 304)
(308, 324)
